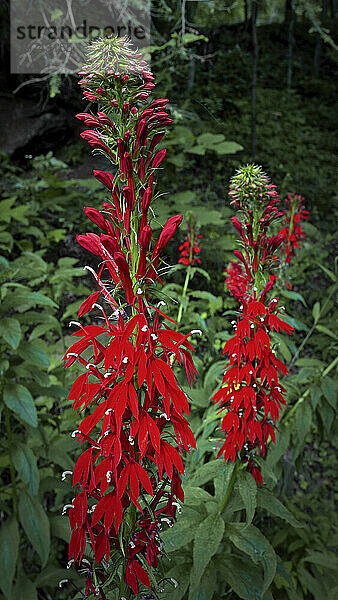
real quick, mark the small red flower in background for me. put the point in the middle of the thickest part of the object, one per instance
(128, 478)
(292, 233)
(190, 248)
(251, 397)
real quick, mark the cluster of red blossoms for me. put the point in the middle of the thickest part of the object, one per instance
(292, 231)
(190, 248)
(235, 280)
(128, 478)
(252, 395)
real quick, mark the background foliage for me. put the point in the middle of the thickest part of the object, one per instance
(280, 540)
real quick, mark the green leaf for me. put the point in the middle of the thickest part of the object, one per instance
(196, 495)
(180, 573)
(19, 399)
(316, 311)
(251, 541)
(328, 273)
(327, 331)
(182, 532)
(227, 148)
(329, 389)
(325, 559)
(207, 471)
(10, 331)
(34, 353)
(242, 576)
(35, 522)
(272, 505)
(9, 544)
(208, 537)
(24, 589)
(60, 528)
(293, 296)
(25, 464)
(207, 585)
(248, 492)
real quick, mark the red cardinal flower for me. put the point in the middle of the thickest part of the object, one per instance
(133, 428)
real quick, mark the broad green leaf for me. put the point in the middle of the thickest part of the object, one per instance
(326, 559)
(272, 505)
(293, 296)
(207, 471)
(10, 331)
(329, 389)
(251, 541)
(182, 532)
(295, 323)
(34, 353)
(221, 481)
(9, 543)
(60, 528)
(227, 148)
(196, 495)
(25, 299)
(207, 585)
(25, 464)
(19, 399)
(24, 589)
(208, 537)
(248, 491)
(35, 522)
(243, 577)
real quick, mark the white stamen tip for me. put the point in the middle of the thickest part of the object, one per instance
(174, 582)
(64, 510)
(144, 328)
(74, 434)
(108, 475)
(74, 323)
(98, 306)
(62, 582)
(108, 411)
(125, 360)
(153, 336)
(70, 563)
(65, 473)
(196, 331)
(139, 291)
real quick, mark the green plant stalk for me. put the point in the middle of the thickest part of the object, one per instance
(184, 294)
(229, 489)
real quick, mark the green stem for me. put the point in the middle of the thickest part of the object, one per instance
(184, 293)
(229, 489)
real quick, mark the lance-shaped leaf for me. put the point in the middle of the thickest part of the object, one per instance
(251, 541)
(208, 537)
(36, 525)
(9, 542)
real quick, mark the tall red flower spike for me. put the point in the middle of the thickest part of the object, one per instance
(134, 430)
(251, 396)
